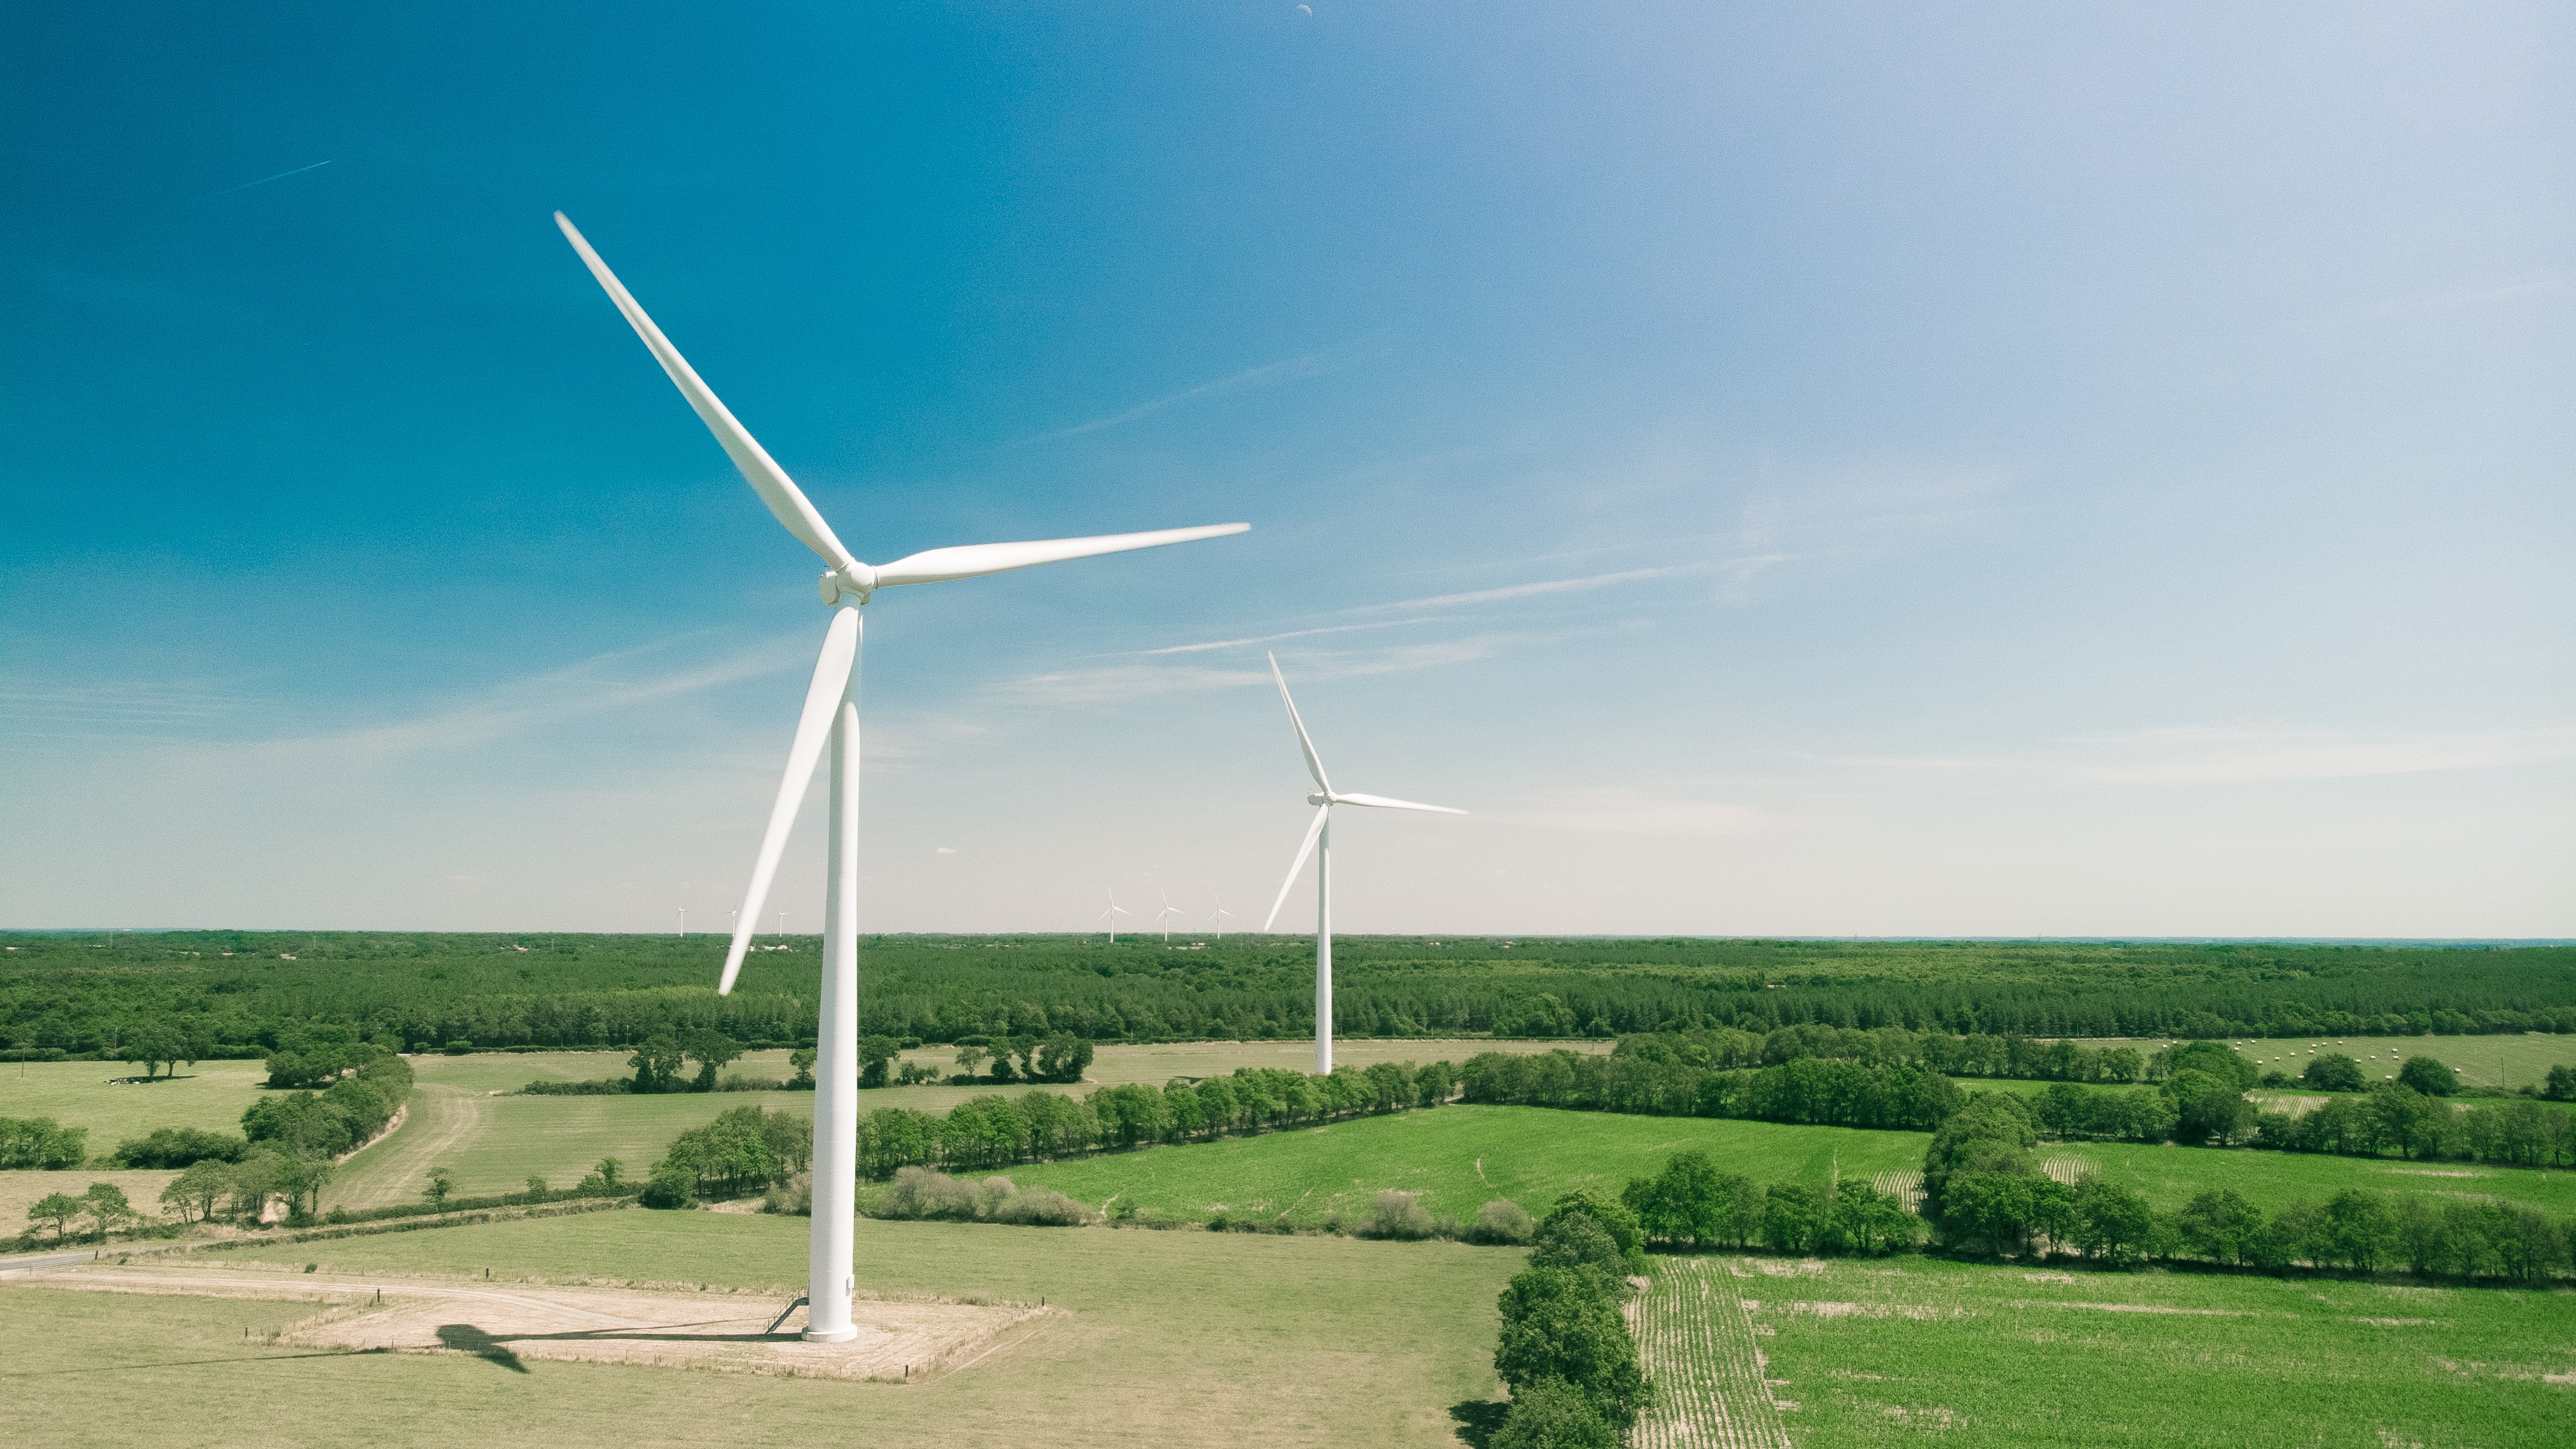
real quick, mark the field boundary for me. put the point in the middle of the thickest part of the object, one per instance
(1696, 1340)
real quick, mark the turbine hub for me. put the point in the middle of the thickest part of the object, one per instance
(1319, 799)
(835, 584)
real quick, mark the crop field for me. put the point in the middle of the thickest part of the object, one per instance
(2483, 1061)
(1185, 1339)
(2168, 1175)
(1857, 1352)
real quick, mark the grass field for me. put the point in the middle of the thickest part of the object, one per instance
(209, 1096)
(2511, 1061)
(1184, 1339)
(1460, 1157)
(1894, 1352)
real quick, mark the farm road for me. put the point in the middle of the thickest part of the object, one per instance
(1696, 1340)
(440, 1120)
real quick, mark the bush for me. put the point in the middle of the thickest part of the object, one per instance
(1035, 1207)
(458, 1048)
(672, 1186)
(2333, 1072)
(1554, 1415)
(1501, 1221)
(794, 1197)
(180, 1147)
(1398, 1215)
(610, 1087)
(921, 1192)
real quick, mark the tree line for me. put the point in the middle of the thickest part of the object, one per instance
(241, 993)
(1565, 1351)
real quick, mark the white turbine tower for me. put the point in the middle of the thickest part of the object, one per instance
(1220, 918)
(1163, 917)
(831, 718)
(1319, 843)
(1111, 916)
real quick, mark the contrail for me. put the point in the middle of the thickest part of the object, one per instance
(263, 181)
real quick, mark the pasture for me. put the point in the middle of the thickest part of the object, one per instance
(1893, 1351)
(209, 1096)
(1187, 1339)
(2514, 1061)
(1459, 1157)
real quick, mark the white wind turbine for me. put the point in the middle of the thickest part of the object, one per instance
(1163, 917)
(1319, 843)
(1111, 915)
(1220, 918)
(831, 717)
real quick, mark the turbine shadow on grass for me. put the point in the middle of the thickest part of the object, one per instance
(466, 1338)
(1478, 1419)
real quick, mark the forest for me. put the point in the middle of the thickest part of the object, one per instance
(242, 993)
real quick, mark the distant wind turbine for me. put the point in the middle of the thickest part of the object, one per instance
(1163, 917)
(1111, 916)
(1221, 917)
(1319, 843)
(829, 723)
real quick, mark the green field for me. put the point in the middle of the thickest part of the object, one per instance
(209, 1096)
(1190, 1339)
(1460, 1157)
(2483, 1061)
(1897, 1351)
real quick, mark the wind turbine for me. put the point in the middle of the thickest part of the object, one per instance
(1163, 917)
(831, 718)
(1221, 917)
(1319, 843)
(1112, 914)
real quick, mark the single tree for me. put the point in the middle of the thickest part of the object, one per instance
(156, 1045)
(2333, 1072)
(441, 1184)
(58, 1208)
(2428, 1077)
(711, 1050)
(106, 1207)
(657, 1063)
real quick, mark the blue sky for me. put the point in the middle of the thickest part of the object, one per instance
(1819, 469)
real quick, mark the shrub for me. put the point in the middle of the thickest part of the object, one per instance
(672, 1186)
(458, 1048)
(794, 1197)
(41, 1143)
(921, 1192)
(1501, 1221)
(611, 1087)
(1395, 1214)
(2333, 1072)
(1035, 1207)
(180, 1147)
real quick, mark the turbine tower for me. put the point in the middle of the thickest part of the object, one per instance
(1163, 917)
(1319, 844)
(1112, 914)
(1221, 917)
(830, 719)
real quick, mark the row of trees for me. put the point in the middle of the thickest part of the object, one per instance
(42, 1144)
(1690, 1202)
(1840, 1093)
(353, 1109)
(1565, 1350)
(742, 1150)
(59, 995)
(1985, 1190)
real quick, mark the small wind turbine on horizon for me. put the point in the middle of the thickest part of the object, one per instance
(1163, 917)
(1221, 917)
(1319, 843)
(1111, 916)
(830, 722)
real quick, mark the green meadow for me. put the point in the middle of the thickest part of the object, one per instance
(1904, 1350)
(1193, 1339)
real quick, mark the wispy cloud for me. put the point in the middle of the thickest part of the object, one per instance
(1612, 811)
(1289, 370)
(1112, 683)
(1275, 638)
(2250, 754)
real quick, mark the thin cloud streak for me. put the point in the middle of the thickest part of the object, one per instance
(1275, 638)
(1289, 370)
(263, 181)
(2247, 755)
(1126, 681)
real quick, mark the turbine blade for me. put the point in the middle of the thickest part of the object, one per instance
(763, 473)
(1322, 814)
(1314, 765)
(1384, 803)
(813, 729)
(966, 561)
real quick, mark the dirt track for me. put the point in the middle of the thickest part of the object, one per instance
(515, 1323)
